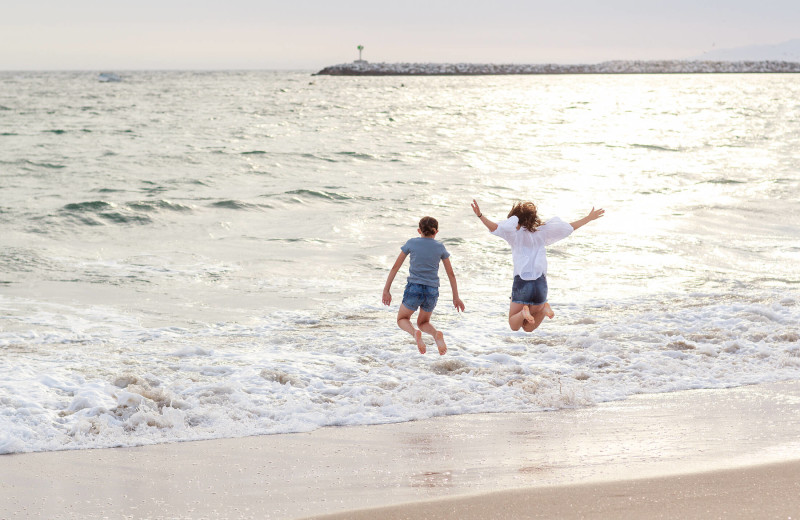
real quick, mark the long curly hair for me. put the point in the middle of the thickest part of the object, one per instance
(527, 214)
(429, 226)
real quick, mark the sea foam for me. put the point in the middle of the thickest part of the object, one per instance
(297, 371)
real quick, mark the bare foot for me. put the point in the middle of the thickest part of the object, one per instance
(440, 343)
(420, 343)
(526, 314)
(548, 311)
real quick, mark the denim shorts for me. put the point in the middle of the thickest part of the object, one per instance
(418, 295)
(529, 292)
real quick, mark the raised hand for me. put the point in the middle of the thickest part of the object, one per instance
(593, 215)
(475, 208)
(596, 213)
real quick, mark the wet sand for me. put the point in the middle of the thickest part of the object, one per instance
(696, 454)
(768, 491)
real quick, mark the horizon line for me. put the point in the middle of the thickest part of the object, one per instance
(306, 69)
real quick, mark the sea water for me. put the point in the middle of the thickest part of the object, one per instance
(194, 255)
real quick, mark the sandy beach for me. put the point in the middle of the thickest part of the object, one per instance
(768, 491)
(694, 454)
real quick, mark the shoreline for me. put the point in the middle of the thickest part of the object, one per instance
(762, 491)
(629, 448)
(365, 68)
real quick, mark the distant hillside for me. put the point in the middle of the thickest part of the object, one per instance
(786, 51)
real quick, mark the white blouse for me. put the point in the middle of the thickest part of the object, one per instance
(527, 249)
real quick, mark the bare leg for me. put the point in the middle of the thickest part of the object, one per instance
(420, 344)
(515, 316)
(404, 322)
(548, 311)
(440, 344)
(536, 313)
(528, 326)
(526, 312)
(425, 325)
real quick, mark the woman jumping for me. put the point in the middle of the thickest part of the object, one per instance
(528, 236)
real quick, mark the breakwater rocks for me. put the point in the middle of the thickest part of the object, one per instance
(364, 68)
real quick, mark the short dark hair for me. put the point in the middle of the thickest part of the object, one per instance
(429, 226)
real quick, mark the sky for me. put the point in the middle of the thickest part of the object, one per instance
(311, 34)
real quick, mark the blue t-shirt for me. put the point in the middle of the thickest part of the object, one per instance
(425, 256)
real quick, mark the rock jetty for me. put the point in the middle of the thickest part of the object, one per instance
(364, 68)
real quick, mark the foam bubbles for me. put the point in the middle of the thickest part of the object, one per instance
(124, 385)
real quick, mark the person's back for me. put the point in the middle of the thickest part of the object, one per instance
(528, 236)
(422, 287)
(425, 253)
(528, 247)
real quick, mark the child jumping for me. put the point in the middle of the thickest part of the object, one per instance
(528, 236)
(422, 289)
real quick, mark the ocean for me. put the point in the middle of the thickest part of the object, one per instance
(196, 255)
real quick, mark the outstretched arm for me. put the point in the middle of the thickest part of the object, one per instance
(491, 226)
(593, 215)
(452, 277)
(387, 296)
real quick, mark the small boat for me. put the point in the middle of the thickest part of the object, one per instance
(106, 77)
